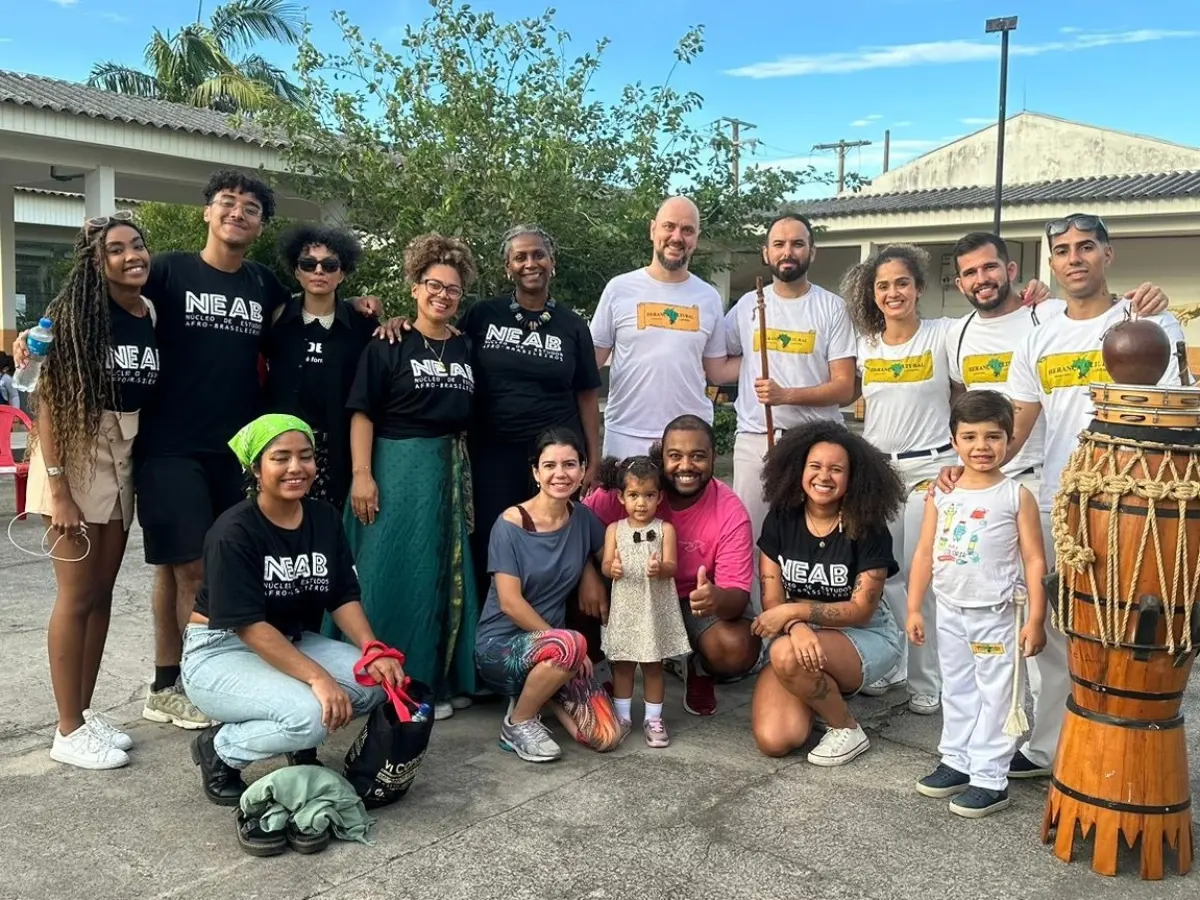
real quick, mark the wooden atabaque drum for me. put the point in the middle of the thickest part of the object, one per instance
(1126, 525)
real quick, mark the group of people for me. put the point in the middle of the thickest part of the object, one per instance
(439, 485)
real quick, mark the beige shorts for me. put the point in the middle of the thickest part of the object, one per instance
(107, 494)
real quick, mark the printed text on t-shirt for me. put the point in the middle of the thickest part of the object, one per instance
(664, 315)
(518, 340)
(286, 576)
(221, 313)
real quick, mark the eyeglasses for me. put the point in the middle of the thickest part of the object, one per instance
(328, 264)
(451, 291)
(96, 223)
(1081, 221)
(249, 210)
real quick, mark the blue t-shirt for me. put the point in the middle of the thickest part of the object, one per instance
(549, 564)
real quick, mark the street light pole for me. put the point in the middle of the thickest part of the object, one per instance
(1004, 26)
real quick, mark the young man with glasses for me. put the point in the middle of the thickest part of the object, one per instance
(1050, 371)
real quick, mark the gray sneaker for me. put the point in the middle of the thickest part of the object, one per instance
(530, 740)
(172, 705)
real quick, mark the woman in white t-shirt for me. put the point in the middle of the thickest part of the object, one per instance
(904, 377)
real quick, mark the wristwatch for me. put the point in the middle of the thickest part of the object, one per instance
(54, 471)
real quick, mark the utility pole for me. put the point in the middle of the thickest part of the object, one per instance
(738, 143)
(841, 147)
(1004, 26)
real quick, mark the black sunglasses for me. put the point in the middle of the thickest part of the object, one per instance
(328, 265)
(1081, 221)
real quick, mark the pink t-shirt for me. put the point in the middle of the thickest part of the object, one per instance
(714, 532)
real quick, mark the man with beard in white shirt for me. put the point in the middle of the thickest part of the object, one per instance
(1051, 369)
(810, 345)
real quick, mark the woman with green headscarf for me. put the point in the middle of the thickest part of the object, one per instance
(273, 564)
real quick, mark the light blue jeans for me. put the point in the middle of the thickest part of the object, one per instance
(264, 712)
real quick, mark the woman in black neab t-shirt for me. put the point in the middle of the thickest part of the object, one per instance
(97, 375)
(826, 552)
(271, 564)
(410, 496)
(535, 369)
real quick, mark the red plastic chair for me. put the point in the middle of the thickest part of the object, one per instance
(8, 465)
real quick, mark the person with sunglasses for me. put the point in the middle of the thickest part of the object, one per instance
(313, 348)
(410, 510)
(1050, 371)
(98, 374)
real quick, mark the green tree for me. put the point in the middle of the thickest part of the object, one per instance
(474, 125)
(199, 65)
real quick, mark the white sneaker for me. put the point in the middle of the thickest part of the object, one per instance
(442, 710)
(106, 731)
(462, 701)
(924, 704)
(85, 749)
(840, 745)
(880, 687)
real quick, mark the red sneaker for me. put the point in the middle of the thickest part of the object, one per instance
(699, 693)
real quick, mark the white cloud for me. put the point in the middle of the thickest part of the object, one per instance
(864, 160)
(1069, 29)
(114, 17)
(65, 3)
(865, 120)
(977, 120)
(942, 53)
(901, 124)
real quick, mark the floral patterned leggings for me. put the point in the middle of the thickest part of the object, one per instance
(504, 664)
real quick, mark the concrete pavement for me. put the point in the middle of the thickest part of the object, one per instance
(707, 818)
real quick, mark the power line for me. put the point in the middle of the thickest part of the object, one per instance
(841, 147)
(738, 143)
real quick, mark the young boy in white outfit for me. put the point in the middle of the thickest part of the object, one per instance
(978, 545)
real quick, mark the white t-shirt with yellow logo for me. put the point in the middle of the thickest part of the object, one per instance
(1054, 366)
(660, 333)
(804, 334)
(981, 352)
(907, 389)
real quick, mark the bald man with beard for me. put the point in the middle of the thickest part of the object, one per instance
(662, 328)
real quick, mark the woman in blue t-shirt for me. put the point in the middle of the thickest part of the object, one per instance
(536, 555)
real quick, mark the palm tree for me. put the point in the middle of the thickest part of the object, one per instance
(196, 65)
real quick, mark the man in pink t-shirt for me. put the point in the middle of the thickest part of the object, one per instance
(715, 552)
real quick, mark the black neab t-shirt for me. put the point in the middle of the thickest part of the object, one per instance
(813, 572)
(210, 324)
(528, 381)
(133, 357)
(255, 571)
(416, 387)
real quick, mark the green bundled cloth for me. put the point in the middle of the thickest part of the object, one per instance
(249, 443)
(313, 797)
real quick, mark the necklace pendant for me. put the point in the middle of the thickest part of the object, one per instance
(821, 544)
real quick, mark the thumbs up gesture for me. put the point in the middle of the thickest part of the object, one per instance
(652, 566)
(616, 570)
(701, 599)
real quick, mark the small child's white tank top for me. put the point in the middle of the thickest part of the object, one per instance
(976, 549)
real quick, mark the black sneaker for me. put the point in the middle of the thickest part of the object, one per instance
(977, 802)
(303, 842)
(304, 758)
(222, 783)
(1022, 767)
(943, 782)
(254, 840)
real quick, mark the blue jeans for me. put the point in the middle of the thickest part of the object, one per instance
(264, 712)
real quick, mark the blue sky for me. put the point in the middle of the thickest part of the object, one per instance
(803, 73)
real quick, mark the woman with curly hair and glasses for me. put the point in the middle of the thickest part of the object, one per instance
(825, 554)
(410, 508)
(313, 348)
(98, 374)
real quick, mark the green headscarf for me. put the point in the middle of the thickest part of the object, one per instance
(249, 443)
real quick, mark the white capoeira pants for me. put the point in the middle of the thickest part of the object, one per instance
(748, 453)
(975, 654)
(623, 446)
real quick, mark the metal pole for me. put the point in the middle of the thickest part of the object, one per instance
(1000, 130)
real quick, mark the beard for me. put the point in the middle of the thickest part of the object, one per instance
(673, 265)
(798, 270)
(1002, 294)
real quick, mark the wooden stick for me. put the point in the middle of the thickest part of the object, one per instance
(762, 352)
(1181, 356)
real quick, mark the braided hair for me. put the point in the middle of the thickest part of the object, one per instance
(521, 231)
(76, 382)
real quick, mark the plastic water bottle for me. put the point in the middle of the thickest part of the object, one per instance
(424, 713)
(38, 341)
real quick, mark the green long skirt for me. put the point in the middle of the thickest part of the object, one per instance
(414, 561)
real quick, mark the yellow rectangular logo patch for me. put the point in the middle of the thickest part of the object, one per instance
(981, 649)
(783, 341)
(662, 315)
(894, 371)
(1068, 370)
(986, 368)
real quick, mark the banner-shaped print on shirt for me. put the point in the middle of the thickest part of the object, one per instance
(782, 341)
(1068, 370)
(664, 315)
(986, 368)
(894, 371)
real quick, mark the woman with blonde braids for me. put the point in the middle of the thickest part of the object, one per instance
(97, 375)
(410, 510)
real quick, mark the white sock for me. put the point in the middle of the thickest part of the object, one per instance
(653, 711)
(623, 708)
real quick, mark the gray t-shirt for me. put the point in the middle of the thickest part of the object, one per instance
(549, 564)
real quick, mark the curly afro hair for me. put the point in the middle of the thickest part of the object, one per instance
(230, 180)
(858, 285)
(874, 495)
(341, 243)
(433, 249)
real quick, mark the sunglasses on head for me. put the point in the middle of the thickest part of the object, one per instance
(95, 224)
(328, 265)
(1080, 221)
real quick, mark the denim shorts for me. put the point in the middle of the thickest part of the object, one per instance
(878, 644)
